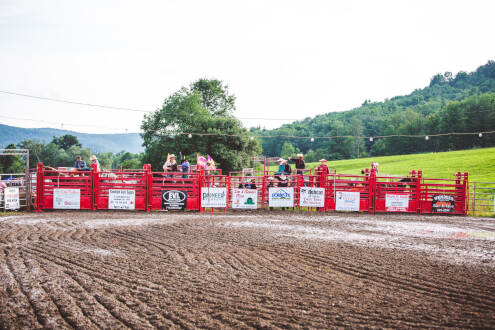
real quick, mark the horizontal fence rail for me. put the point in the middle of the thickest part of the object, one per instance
(153, 191)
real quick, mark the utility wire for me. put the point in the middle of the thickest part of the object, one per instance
(110, 107)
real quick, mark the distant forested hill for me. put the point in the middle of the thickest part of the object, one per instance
(130, 142)
(464, 102)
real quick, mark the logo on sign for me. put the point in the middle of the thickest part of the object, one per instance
(174, 200)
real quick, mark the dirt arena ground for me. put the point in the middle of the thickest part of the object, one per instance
(92, 270)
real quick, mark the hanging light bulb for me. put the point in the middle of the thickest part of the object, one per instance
(312, 139)
(371, 139)
(480, 135)
(427, 138)
(189, 135)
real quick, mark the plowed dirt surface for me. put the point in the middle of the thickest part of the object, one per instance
(92, 270)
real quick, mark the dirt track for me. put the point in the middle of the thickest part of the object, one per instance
(114, 270)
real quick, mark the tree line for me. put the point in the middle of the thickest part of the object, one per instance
(62, 151)
(464, 102)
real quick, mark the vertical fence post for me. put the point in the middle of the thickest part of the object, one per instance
(93, 177)
(40, 179)
(474, 199)
(419, 187)
(465, 188)
(372, 190)
(148, 186)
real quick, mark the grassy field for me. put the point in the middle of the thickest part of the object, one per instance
(479, 163)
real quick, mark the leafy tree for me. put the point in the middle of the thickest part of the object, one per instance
(66, 141)
(288, 150)
(11, 164)
(205, 111)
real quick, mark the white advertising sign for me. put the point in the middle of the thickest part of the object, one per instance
(312, 197)
(121, 199)
(213, 197)
(11, 196)
(66, 198)
(396, 202)
(347, 201)
(244, 198)
(280, 197)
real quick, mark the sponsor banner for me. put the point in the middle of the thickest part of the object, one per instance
(347, 200)
(121, 199)
(280, 197)
(244, 198)
(11, 197)
(174, 200)
(312, 197)
(67, 199)
(213, 197)
(396, 202)
(443, 203)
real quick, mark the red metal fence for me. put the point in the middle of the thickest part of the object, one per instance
(146, 190)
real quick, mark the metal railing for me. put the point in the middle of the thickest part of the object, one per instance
(482, 198)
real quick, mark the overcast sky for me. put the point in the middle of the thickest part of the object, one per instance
(282, 59)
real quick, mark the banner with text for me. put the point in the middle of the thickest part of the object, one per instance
(396, 202)
(280, 197)
(67, 199)
(244, 198)
(11, 196)
(121, 199)
(174, 200)
(443, 203)
(312, 197)
(347, 200)
(213, 197)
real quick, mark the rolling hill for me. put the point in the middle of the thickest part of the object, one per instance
(130, 142)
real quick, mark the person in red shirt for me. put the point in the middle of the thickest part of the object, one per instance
(323, 168)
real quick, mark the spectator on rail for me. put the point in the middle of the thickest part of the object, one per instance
(94, 160)
(323, 168)
(170, 165)
(185, 166)
(80, 164)
(287, 168)
(281, 166)
(300, 164)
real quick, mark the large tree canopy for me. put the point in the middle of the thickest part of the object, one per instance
(204, 110)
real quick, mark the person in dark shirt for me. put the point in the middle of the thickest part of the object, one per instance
(323, 168)
(287, 168)
(185, 166)
(80, 164)
(300, 164)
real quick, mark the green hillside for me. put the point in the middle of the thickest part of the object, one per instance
(463, 103)
(479, 163)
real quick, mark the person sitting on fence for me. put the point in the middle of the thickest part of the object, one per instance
(80, 164)
(94, 160)
(287, 168)
(170, 166)
(323, 168)
(281, 166)
(300, 164)
(185, 166)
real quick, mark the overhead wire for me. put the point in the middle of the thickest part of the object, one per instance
(219, 134)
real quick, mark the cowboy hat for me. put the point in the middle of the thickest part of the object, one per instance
(322, 160)
(283, 177)
(93, 157)
(280, 160)
(172, 156)
(300, 155)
